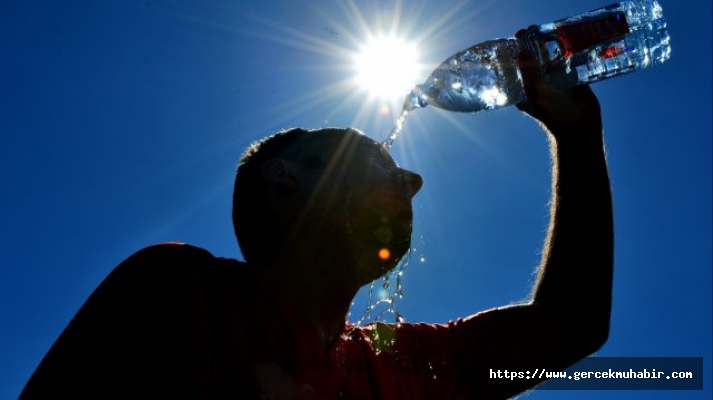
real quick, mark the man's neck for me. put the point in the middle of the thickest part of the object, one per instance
(323, 301)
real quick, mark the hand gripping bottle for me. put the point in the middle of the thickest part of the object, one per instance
(599, 44)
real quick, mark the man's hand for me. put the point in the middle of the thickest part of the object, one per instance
(555, 107)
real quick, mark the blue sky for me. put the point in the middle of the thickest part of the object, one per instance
(122, 121)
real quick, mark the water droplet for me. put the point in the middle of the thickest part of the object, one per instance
(422, 259)
(430, 366)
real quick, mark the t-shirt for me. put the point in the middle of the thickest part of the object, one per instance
(173, 321)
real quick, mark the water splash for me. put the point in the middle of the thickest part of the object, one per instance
(382, 300)
(386, 292)
(389, 141)
(415, 99)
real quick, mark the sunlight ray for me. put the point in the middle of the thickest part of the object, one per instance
(435, 26)
(299, 40)
(337, 93)
(354, 37)
(396, 18)
(354, 12)
(362, 114)
(342, 94)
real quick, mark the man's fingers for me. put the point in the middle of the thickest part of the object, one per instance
(531, 79)
(529, 69)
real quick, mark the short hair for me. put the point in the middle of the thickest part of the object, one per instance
(252, 222)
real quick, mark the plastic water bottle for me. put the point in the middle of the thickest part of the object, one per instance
(599, 44)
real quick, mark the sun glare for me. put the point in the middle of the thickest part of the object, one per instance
(387, 67)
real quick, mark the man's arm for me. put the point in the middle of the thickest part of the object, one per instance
(581, 230)
(568, 316)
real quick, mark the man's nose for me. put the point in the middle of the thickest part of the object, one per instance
(411, 182)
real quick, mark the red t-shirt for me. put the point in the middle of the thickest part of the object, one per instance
(175, 321)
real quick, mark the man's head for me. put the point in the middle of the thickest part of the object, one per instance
(323, 192)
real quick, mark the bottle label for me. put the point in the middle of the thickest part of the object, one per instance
(582, 35)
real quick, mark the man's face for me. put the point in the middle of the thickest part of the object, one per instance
(354, 189)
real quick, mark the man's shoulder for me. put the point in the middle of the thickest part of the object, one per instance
(173, 251)
(174, 259)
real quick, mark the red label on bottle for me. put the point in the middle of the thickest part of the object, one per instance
(611, 52)
(584, 34)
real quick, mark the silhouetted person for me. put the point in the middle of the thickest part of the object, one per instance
(318, 214)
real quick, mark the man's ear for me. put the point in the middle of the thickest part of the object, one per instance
(277, 171)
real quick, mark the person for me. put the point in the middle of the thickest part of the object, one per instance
(318, 214)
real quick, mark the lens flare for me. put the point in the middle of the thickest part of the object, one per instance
(384, 254)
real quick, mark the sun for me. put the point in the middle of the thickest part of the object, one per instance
(387, 67)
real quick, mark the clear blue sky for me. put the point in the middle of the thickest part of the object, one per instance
(121, 123)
